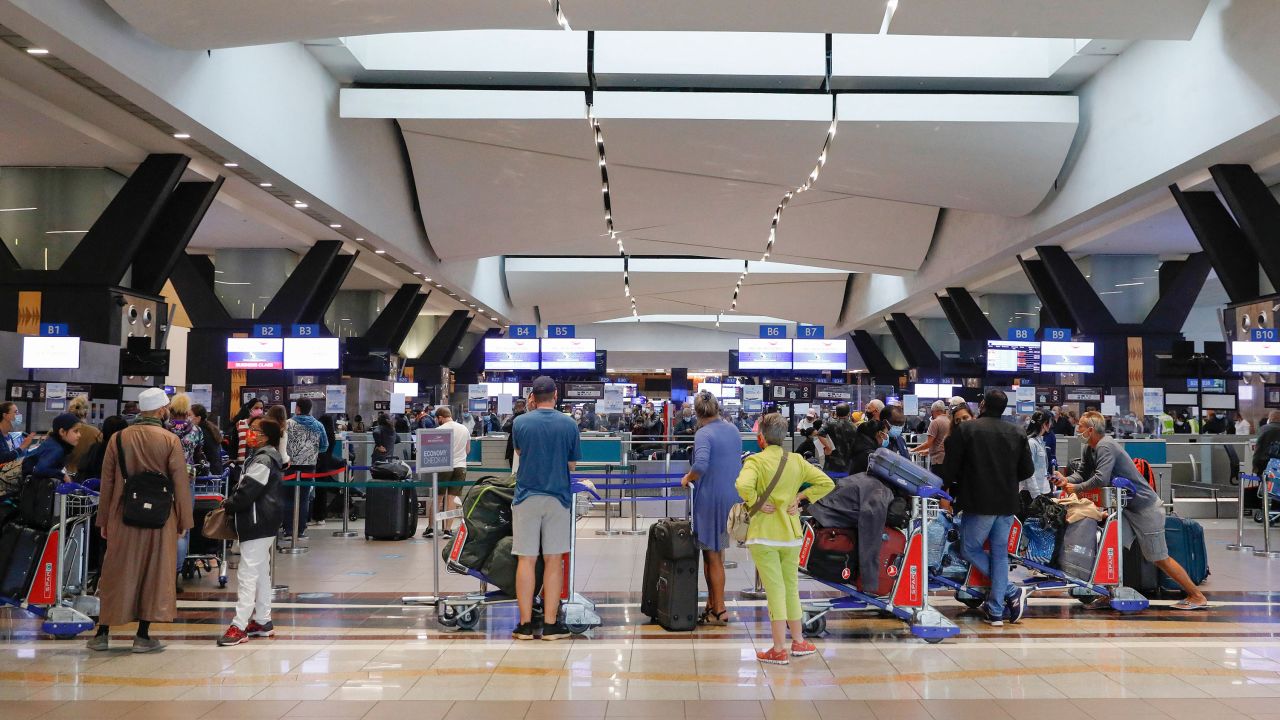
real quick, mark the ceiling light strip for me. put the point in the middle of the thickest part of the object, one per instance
(608, 210)
(782, 206)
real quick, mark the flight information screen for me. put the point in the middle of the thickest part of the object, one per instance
(1009, 356)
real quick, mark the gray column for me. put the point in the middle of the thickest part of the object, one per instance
(1006, 311)
(353, 311)
(1128, 285)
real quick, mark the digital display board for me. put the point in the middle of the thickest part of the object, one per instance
(255, 354)
(764, 354)
(819, 355)
(512, 354)
(50, 353)
(568, 353)
(407, 389)
(1011, 356)
(1255, 356)
(1067, 357)
(311, 354)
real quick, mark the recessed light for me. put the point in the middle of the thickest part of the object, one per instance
(380, 252)
(37, 51)
(299, 204)
(182, 136)
(359, 239)
(264, 184)
(231, 165)
(17, 209)
(427, 279)
(335, 226)
(415, 272)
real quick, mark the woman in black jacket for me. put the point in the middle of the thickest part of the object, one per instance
(255, 507)
(384, 439)
(211, 447)
(870, 435)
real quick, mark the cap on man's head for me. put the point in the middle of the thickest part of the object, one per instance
(152, 399)
(543, 385)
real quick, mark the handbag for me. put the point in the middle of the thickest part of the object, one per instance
(148, 495)
(11, 477)
(218, 525)
(740, 514)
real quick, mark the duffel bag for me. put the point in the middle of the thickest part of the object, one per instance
(500, 569)
(488, 502)
(902, 474)
(1041, 543)
(394, 470)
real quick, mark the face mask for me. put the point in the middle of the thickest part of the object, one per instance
(895, 431)
(256, 412)
(255, 439)
(17, 421)
(884, 443)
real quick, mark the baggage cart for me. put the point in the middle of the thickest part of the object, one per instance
(209, 490)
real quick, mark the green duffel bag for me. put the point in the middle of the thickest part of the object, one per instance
(474, 542)
(500, 568)
(488, 502)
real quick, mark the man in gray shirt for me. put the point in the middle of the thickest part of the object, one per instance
(1105, 459)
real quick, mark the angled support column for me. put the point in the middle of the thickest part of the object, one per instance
(875, 360)
(406, 322)
(167, 240)
(976, 322)
(444, 345)
(1054, 311)
(913, 345)
(192, 278)
(1091, 315)
(1170, 312)
(313, 312)
(1257, 212)
(381, 333)
(469, 369)
(954, 318)
(302, 285)
(105, 253)
(9, 266)
(1231, 253)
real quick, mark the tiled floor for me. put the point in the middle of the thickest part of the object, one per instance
(347, 648)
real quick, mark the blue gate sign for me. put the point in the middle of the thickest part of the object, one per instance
(1264, 335)
(305, 331)
(773, 331)
(1057, 334)
(54, 329)
(811, 332)
(522, 331)
(1021, 334)
(267, 331)
(561, 331)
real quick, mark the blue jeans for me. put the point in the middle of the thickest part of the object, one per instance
(975, 530)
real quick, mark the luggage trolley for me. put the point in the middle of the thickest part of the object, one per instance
(464, 611)
(1106, 580)
(210, 490)
(58, 592)
(908, 600)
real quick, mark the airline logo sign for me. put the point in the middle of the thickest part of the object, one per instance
(806, 547)
(458, 543)
(909, 590)
(1107, 570)
(42, 590)
(1015, 536)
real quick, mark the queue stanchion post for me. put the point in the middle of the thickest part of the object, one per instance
(635, 512)
(756, 592)
(608, 530)
(294, 548)
(346, 531)
(1266, 550)
(435, 517)
(1238, 545)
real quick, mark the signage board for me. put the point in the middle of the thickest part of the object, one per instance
(1258, 335)
(1049, 396)
(773, 332)
(811, 332)
(435, 450)
(1021, 334)
(1152, 401)
(54, 330)
(583, 391)
(843, 393)
(1083, 394)
(561, 331)
(267, 331)
(1057, 334)
(787, 391)
(335, 399)
(522, 332)
(305, 331)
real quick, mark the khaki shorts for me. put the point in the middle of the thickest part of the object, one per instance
(540, 526)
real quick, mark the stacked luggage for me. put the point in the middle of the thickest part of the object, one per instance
(482, 545)
(26, 527)
(391, 513)
(669, 595)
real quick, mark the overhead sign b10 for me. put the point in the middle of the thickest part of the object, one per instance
(1264, 335)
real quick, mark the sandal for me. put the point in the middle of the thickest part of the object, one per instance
(713, 618)
(1188, 605)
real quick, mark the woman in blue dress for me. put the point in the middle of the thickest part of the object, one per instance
(717, 460)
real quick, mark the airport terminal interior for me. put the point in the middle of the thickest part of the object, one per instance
(361, 288)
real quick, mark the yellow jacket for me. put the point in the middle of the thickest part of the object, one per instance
(757, 471)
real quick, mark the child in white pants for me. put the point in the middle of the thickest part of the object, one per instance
(255, 506)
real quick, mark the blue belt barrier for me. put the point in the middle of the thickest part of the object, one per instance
(638, 486)
(620, 476)
(641, 499)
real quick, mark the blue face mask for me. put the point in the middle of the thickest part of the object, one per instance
(884, 443)
(895, 431)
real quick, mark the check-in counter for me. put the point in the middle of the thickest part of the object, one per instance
(1202, 469)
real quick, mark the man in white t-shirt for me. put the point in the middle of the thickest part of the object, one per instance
(461, 445)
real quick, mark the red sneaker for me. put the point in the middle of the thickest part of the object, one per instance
(256, 630)
(800, 649)
(233, 636)
(773, 657)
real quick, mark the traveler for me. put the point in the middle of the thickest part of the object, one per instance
(305, 441)
(717, 460)
(402, 425)
(807, 421)
(326, 462)
(1213, 424)
(91, 467)
(210, 450)
(357, 425)
(874, 408)
(425, 420)
(460, 442)
(870, 435)
(254, 507)
(590, 420)
(136, 583)
(897, 423)
(255, 408)
(648, 426)
(89, 435)
(837, 438)
(1242, 426)
(280, 415)
(1267, 446)
(774, 532)
(49, 459)
(549, 448)
(10, 449)
(986, 460)
(1181, 426)
(517, 409)
(936, 436)
(1144, 515)
(192, 439)
(1037, 428)
(1062, 424)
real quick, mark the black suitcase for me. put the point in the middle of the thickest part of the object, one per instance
(670, 592)
(391, 513)
(36, 502)
(1140, 573)
(20, 550)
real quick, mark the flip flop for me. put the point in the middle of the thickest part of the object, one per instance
(1189, 606)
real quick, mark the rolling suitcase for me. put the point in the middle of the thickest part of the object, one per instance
(901, 473)
(36, 502)
(893, 549)
(1139, 573)
(1079, 549)
(20, 549)
(391, 513)
(1186, 545)
(670, 592)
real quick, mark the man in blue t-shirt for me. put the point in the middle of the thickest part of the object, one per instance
(542, 517)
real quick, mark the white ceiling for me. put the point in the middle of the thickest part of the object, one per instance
(29, 137)
(1135, 19)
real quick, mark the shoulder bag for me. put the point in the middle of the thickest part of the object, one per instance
(218, 525)
(740, 514)
(148, 495)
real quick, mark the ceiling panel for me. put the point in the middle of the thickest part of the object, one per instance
(32, 138)
(200, 24)
(1127, 19)
(849, 16)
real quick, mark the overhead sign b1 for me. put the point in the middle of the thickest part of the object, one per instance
(435, 450)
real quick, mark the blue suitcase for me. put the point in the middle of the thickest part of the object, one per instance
(1186, 545)
(900, 473)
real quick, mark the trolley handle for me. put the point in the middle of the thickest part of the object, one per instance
(70, 488)
(929, 491)
(581, 486)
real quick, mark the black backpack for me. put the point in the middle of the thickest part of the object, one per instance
(148, 495)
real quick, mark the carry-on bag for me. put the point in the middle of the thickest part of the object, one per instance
(893, 550)
(500, 568)
(1140, 573)
(1079, 549)
(1041, 543)
(36, 502)
(669, 595)
(20, 550)
(1185, 539)
(901, 474)
(391, 513)
(201, 544)
(668, 538)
